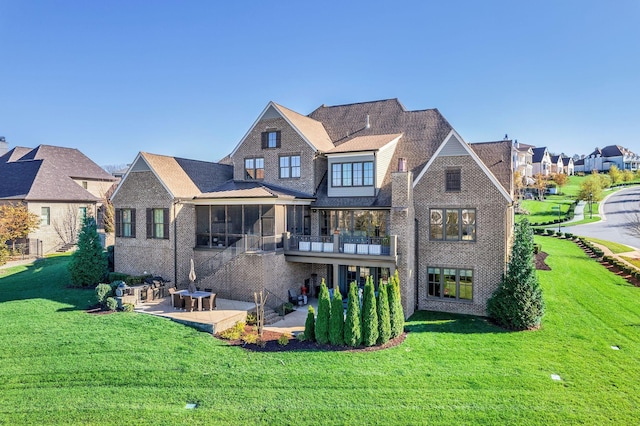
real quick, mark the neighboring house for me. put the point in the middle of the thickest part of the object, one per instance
(523, 161)
(602, 159)
(568, 167)
(346, 192)
(557, 165)
(578, 166)
(60, 185)
(541, 161)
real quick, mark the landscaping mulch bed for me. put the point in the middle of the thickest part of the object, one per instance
(540, 261)
(97, 310)
(270, 339)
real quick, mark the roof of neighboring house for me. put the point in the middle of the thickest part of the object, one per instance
(252, 189)
(47, 173)
(579, 162)
(566, 161)
(364, 143)
(538, 154)
(497, 157)
(612, 151)
(524, 147)
(422, 133)
(555, 158)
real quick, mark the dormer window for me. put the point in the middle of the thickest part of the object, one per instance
(352, 174)
(271, 139)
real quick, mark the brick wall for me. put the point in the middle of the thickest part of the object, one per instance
(486, 256)
(291, 144)
(135, 256)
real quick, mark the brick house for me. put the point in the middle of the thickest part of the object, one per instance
(343, 193)
(60, 185)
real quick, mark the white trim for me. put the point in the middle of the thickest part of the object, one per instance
(272, 104)
(474, 156)
(372, 153)
(140, 157)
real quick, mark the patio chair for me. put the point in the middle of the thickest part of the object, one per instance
(295, 298)
(209, 302)
(189, 302)
(178, 301)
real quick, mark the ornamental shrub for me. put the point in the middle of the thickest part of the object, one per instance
(102, 292)
(336, 320)
(384, 320)
(352, 328)
(369, 314)
(309, 325)
(517, 303)
(111, 303)
(89, 262)
(324, 312)
(396, 313)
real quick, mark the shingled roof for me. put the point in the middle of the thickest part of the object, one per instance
(252, 189)
(497, 157)
(422, 133)
(612, 151)
(538, 154)
(47, 173)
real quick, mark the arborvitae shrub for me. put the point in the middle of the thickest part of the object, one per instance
(309, 325)
(89, 262)
(336, 321)
(384, 319)
(324, 312)
(517, 303)
(352, 324)
(369, 314)
(396, 313)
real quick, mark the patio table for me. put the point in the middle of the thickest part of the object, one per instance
(199, 295)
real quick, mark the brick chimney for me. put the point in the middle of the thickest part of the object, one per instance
(402, 224)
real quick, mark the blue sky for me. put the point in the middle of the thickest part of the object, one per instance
(189, 78)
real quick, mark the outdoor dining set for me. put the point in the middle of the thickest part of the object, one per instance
(199, 300)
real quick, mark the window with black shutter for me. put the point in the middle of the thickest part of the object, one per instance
(158, 223)
(271, 139)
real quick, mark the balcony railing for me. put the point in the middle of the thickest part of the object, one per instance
(370, 246)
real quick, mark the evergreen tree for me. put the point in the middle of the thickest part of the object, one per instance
(336, 321)
(89, 262)
(369, 314)
(352, 327)
(309, 325)
(324, 312)
(517, 303)
(384, 319)
(396, 313)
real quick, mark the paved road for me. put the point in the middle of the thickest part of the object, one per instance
(619, 209)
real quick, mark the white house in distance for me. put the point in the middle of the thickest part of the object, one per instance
(602, 159)
(541, 161)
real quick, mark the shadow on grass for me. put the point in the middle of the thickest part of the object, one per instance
(442, 322)
(47, 279)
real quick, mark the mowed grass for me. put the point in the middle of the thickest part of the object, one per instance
(616, 248)
(61, 365)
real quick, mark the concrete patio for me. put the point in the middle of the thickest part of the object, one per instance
(226, 314)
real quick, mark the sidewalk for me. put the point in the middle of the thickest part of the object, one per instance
(13, 263)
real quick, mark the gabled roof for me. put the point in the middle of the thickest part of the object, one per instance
(422, 133)
(252, 189)
(455, 143)
(612, 151)
(365, 143)
(181, 177)
(310, 130)
(555, 158)
(566, 161)
(538, 154)
(46, 173)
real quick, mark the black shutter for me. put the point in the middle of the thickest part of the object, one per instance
(149, 223)
(165, 220)
(133, 223)
(265, 140)
(118, 222)
(278, 139)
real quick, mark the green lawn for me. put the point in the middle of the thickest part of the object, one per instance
(61, 365)
(615, 248)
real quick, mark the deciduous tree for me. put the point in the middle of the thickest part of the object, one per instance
(561, 180)
(16, 222)
(540, 185)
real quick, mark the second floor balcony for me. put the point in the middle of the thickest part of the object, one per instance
(341, 246)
